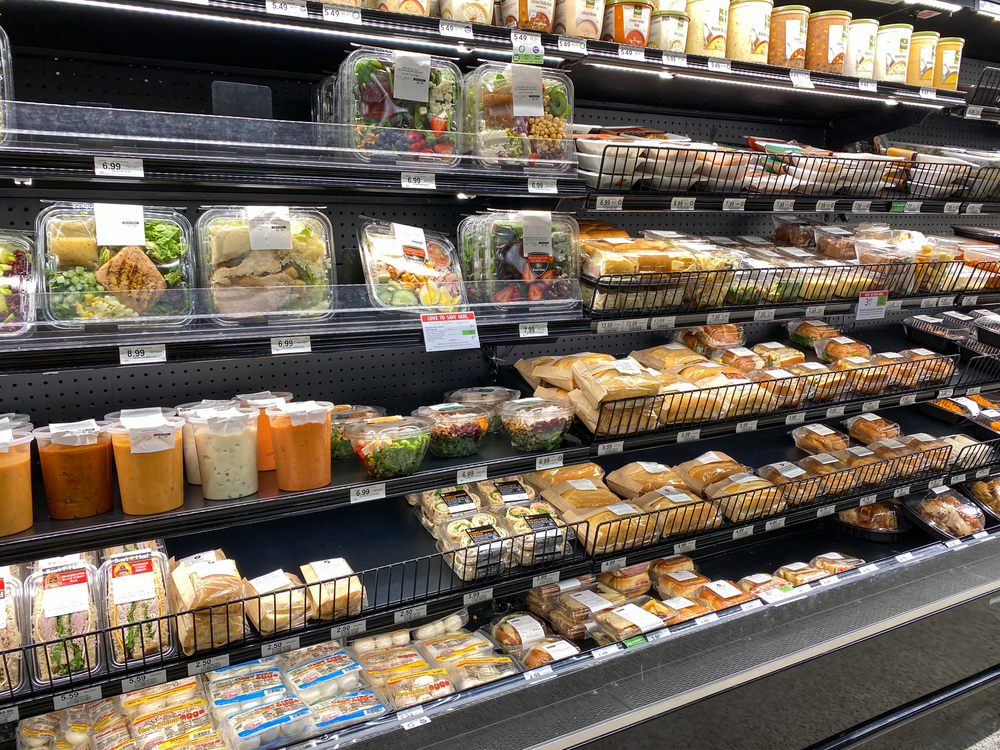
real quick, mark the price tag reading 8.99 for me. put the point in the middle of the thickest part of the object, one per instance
(133, 355)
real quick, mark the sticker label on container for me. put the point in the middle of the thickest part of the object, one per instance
(119, 225)
(265, 584)
(527, 91)
(152, 439)
(536, 246)
(645, 621)
(65, 592)
(459, 501)
(270, 227)
(133, 581)
(74, 433)
(681, 575)
(511, 490)
(581, 484)
(528, 628)
(590, 600)
(679, 603)
(652, 468)
(304, 412)
(836, 43)
(328, 570)
(622, 509)
(724, 589)
(715, 23)
(411, 76)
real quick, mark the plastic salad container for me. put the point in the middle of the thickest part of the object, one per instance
(390, 446)
(487, 396)
(414, 117)
(17, 283)
(340, 417)
(536, 424)
(86, 281)
(406, 267)
(458, 428)
(531, 255)
(534, 128)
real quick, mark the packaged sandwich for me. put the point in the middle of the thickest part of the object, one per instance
(478, 552)
(203, 581)
(679, 511)
(281, 604)
(823, 383)
(935, 367)
(506, 491)
(869, 428)
(135, 591)
(340, 594)
(518, 631)
(776, 354)
(743, 496)
(686, 403)
(741, 358)
(798, 573)
(807, 332)
(818, 438)
(614, 380)
(547, 651)
(871, 470)
(680, 583)
(582, 605)
(761, 582)
(839, 347)
(708, 374)
(569, 628)
(632, 581)
(906, 461)
(686, 608)
(640, 477)
(542, 480)
(560, 372)
(660, 567)
(935, 451)
(836, 476)
(613, 528)
(667, 356)
(580, 493)
(901, 372)
(455, 530)
(966, 453)
(864, 377)
(626, 621)
(717, 336)
(787, 390)
(834, 562)
(794, 483)
(708, 468)
(874, 517)
(527, 368)
(950, 513)
(722, 595)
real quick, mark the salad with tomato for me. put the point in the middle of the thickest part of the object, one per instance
(16, 283)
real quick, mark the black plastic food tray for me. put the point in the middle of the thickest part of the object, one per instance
(991, 514)
(871, 535)
(952, 418)
(931, 340)
(988, 336)
(982, 432)
(909, 505)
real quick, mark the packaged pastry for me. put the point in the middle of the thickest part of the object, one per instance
(818, 438)
(580, 493)
(906, 461)
(708, 468)
(660, 567)
(786, 389)
(823, 384)
(986, 492)
(742, 497)
(837, 476)
(547, 651)
(864, 377)
(871, 470)
(950, 513)
(807, 332)
(472, 672)
(741, 358)
(680, 583)
(613, 528)
(640, 477)
(776, 354)
(874, 517)
(632, 581)
(211, 584)
(517, 631)
(722, 594)
(509, 490)
(795, 484)
(627, 621)
(686, 608)
(544, 479)
(680, 511)
(582, 605)
(798, 573)
(839, 347)
(935, 451)
(346, 710)
(935, 367)
(281, 604)
(135, 595)
(667, 356)
(834, 562)
(760, 582)
(340, 594)
(560, 372)
(615, 380)
(869, 428)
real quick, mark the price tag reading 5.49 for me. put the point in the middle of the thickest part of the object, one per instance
(295, 8)
(134, 355)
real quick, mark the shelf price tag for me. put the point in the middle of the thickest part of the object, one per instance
(952, 208)
(826, 510)
(532, 330)
(414, 723)
(345, 14)
(829, 580)
(733, 204)
(663, 323)
(418, 180)
(958, 478)
(816, 311)
(981, 535)
(553, 461)
(706, 619)
(608, 449)
(471, 474)
(861, 207)
(545, 579)
(533, 675)
(974, 390)
(866, 569)
(368, 492)
(970, 300)
(908, 400)
(350, 629)
(980, 473)
(527, 47)
(109, 166)
(742, 532)
(294, 8)
(719, 318)
(872, 305)
(826, 205)
(689, 436)
(894, 305)
(867, 85)
(208, 665)
(764, 314)
(974, 208)
(409, 613)
(135, 355)
(748, 426)
(871, 406)
(609, 203)
(953, 543)
(290, 345)
(777, 523)
(927, 93)
(689, 546)
(904, 557)
(674, 58)
(628, 52)
(867, 500)
(974, 112)
(140, 681)
(939, 482)
(444, 332)
(600, 653)
(719, 65)
(571, 44)
(801, 79)
(454, 29)
(9, 715)
(946, 392)
(682, 204)
(901, 491)
(542, 186)
(279, 647)
(784, 204)
(617, 564)
(799, 418)
(912, 207)
(834, 411)
(76, 697)
(477, 597)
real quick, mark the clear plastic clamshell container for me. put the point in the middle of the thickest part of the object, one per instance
(135, 598)
(18, 282)
(276, 261)
(520, 115)
(96, 265)
(414, 116)
(13, 670)
(408, 268)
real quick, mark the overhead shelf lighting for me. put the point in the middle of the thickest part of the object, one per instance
(936, 5)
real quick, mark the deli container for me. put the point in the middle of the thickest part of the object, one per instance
(395, 117)
(923, 54)
(626, 22)
(534, 130)
(263, 401)
(668, 30)
(787, 37)
(826, 45)
(859, 59)
(150, 461)
(390, 446)
(273, 261)
(947, 62)
(458, 428)
(341, 416)
(487, 396)
(536, 424)
(529, 15)
(579, 18)
(77, 464)
(226, 448)
(892, 52)
(709, 24)
(749, 30)
(85, 281)
(135, 594)
(301, 435)
(18, 283)
(15, 480)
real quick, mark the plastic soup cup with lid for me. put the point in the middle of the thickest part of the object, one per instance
(536, 424)
(341, 416)
(262, 402)
(15, 481)
(668, 30)
(226, 445)
(947, 62)
(76, 463)
(458, 428)
(789, 31)
(529, 15)
(748, 30)
(923, 53)
(708, 23)
(150, 461)
(301, 435)
(191, 468)
(626, 22)
(579, 18)
(892, 52)
(390, 446)
(859, 60)
(827, 41)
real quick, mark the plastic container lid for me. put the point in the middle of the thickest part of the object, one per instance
(536, 408)
(609, 3)
(389, 428)
(864, 20)
(823, 13)
(918, 34)
(744, 2)
(952, 39)
(18, 437)
(300, 412)
(205, 405)
(203, 418)
(797, 8)
(115, 416)
(344, 412)
(44, 434)
(452, 413)
(895, 26)
(483, 395)
(263, 399)
(16, 418)
(672, 14)
(117, 428)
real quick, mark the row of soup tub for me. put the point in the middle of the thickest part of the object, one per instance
(222, 445)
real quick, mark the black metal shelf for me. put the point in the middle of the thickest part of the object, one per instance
(604, 201)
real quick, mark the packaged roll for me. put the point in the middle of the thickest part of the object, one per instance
(742, 497)
(746, 399)
(672, 564)
(527, 368)
(509, 490)
(950, 513)
(202, 581)
(935, 451)
(836, 476)
(834, 562)
(906, 460)
(281, 602)
(580, 493)
(680, 583)
(863, 376)
(667, 356)
(741, 358)
(710, 337)
(341, 593)
(823, 383)
(542, 480)
(679, 511)
(686, 608)
(547, 651)
(347, 710)
(614, 528)
(517, 631)
(722, 595)
(776, 354)
(709, 374)
(807, 332)
(871, 470)
(641, 477)
(560, 372)
(271, 725)
(319, 679)
(760, 582)
(870, 428)
(612, 381)
(686, 403)
(230, 695)
(874, 517)
(615, 419)
(456, 531)
(798, 573)
(934, 367)
(795, 484)
(818, 438)
(476, 671)
(787, 391)
(478, 552)
(840, 347)
(708, 468)
(632, 581)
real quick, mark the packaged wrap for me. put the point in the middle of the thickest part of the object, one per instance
(472, 672)
(641, 477)
(823, 384)
(679, 511)
(962, 458)
(742, 497)
(834, 562)
(385, 663)
(818, 438)
(135, 594)
(207, 585)
(775, 354)
(448, 503)
(458, 645)
(281, 604)
(745, 399)
(836, 476)
(12, 674)
(869, 428)
(341, 594)
(795, 484)
(950, 513)
(478, 552)
(708, 468)
(722, 595)
(540, 535)
(512, 490)
(798, 573)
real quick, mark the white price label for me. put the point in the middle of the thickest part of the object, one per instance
(140, 681)
(410, 613)
(929, 302)
(545, 579)
(608, 449)
(635, 324)
(927, 93)
(531, 42)
(600, 653)
(418, 180)
(410, 713)
(663, 323)
(973, 391)
(348, 630)
(478, 597)
(866, 569)
(572, 44)
(946, 392)
(733, 204)
(674, 58)
(210, 664)
(872, 305)
(946, 301)
(870, 406)
(952, 543)
(689, 436)
(980, 473)
(799, 418)
(952, 208)
(445, 332)
(617, 564)
(532, 330)
(800, 79)
(368, 492)
(826, 510)
(974, 208)
(719, 65)
(682, 204)
(784, 204)
(861, 207)
(414, 723)
(294, 8)
(455, 29)
(834, 411)
(133, 355)
(542, 186)
(777, 523)
(534, 674)
(901, 491)
(751, 606)
(343, 14)
(974, 112)
(980, 535)
(826, 205)
(688, 546)
(106, 166)
(471, 474)
(290, 345)
(279, 647)
(908, 400)
(553, 461)
(706, 619)
(865, 84)
(912, 207)
(628, 52)
(894, 304)
(76, 697)
(748, 426)
(958, 478)
(867, 500)
(610, 326)
(829, 580)
(718, 318)
(905, 557)
(764, 314)
(9, 715)
(939, 482)
(742, 532)
(609, 203)
(816, 311)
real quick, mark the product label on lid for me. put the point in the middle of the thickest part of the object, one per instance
(458, 501)
(581, 484)
(833, 556)
(276, 579)
(652, 468)
(819, 429)
(639, 617)
(724, 589)
(511, 490)
(327, 570)
(622, 509)
(484, 535)
(627, 367)
(227, 422)
(536, 245)
(759, 578)
(152, 439)
(411, 241)
(590, 600)
(922, 437)
(795, 39)
(65, 592)
(270, 227)
(411, 76)
(206, 568)
(679, 603)
(132, 581)
(779, 374)
(895, 444)
(304, 412)
(789, 470)
(560, 650)
(526, 85)
(923, 352)
(825, 458)
(74, 433)
(772, 345)
(675, 496)
(870, 417)
(681, 575)
(860, 452)
(796, 566)
(119, 225)
(528, 628)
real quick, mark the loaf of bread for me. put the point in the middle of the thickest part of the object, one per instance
(560, 372)
(542, 480)
(580, 493)
(795, 484)
(708, 468)
(742, 497)
(640, 477)
(679, 511)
